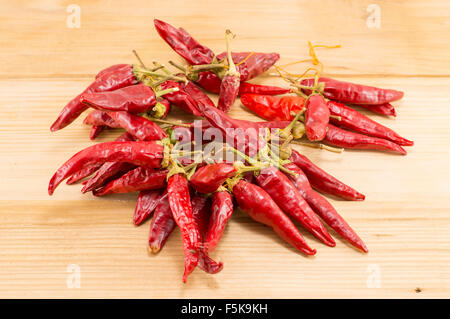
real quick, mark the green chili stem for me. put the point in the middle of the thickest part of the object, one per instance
(319, 146)
(168, 122)
(179, 67)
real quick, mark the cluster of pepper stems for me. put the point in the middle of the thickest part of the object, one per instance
(268, 184)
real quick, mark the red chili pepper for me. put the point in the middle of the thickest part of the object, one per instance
(353, 93)
(221, 211)
(162, 224)
(358, 122)
(201, 212)
(208, 178)
(184, 44)
(165, 105)
(260, 206)
(287, 197)
(112, 69)
(148, 154)
(146, 203)
(138, 126)
(273, 107)
(200, 98)
(323, 181)
(101, 118)
(180, 98)
(209, 81)
(180, 204)
(139, 179)
(346, 139)
(317, 117)
(249, 88)
(108, 82)
(107, 173)
(251, 64)
(383, 109)
(95, 131)
(323, 208)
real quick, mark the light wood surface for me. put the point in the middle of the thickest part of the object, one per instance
(405, 219)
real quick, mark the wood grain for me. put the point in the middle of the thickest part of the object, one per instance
(405, 220)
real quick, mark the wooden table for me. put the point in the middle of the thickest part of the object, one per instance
(405, 221)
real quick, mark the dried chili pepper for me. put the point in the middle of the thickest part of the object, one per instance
(107, 173)
(108, 82)
(323, 181)
(146, 203)
(287, 197)
(161, 109)
(200, 98)
(347, 92)
(208, 178)
(352, 119)
(180, 98)
(221, 211)
(162, 224)
(209, 81)
(138, 179)
(138, 126)
(100, 118)
(383, 109)
(147, 154)
(323, 208)
(184, 44)
(260, 206)
(95, 131)
(180, 204)
(317, 117)
(273, 107)
(112, 69)
(350, 140)
(250, 88)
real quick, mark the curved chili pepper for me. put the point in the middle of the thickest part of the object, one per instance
(346, 139)
(251, 64)
(208, 178)
(201, 212)
(352, 119)
(353, 93)
(107, 173)
(200, 98)
(95, 131)
(273, 107)
(138, 179)
(250, 88)
(96, 117)
(162, 224)
(148, 154)
(138, 126)
(146, 203)
(108, 82)
(180, 98)
(260, 206)
(323, 181)
(323, 208)
(287, 197)
(180, 204)
(383, 109)
(112, 69)
(229, 90)
(221, 211)
(184, 44)
(317, 117)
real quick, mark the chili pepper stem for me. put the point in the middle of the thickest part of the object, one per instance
(166, 91)
(231, 66)
(167, 122)
(179, 67)
(160, 66)
(207, 67)
(284, 133)
(319, 146)
(139, 59)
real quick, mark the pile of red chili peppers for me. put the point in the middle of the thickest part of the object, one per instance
(267, 179)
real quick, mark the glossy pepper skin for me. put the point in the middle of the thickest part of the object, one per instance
(347, 92)
(100, 118)
(323, 181)
(323, 208)
(208, 178)
(270, 108)
(287, 197)
(349, 140)
(147, 154)
(108, 82)
(146, 204)
(317, 117)
(221, 211)
(353, 120)
(184, 44)
(141, 128)
(180, 205)
(259, 206)
(112, 69)
(95, 131)
(138, 179)
(383, 109)
(108, 172)
(200, 98)
(180, 98)
(229, 89)
(137, 98)
(162, 224)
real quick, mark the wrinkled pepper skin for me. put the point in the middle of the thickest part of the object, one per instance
(145, 205)
(323, 181)
(279, 108)
(180, 205)
(349, 140)
(141, 128)
(287, 197)
(107, 173)
(353, 93)
(101, 118)
(259, 206)
(255, 64)
(323, 208)
(208, 178)
(108, 82)
(200, 97)
(229, 89)
(353, 120)
(317, 117)
(221, 211)
(382, 109)
(162, 224)
(95, 131)
(147, 154)
(138, 179)
(180, 98)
